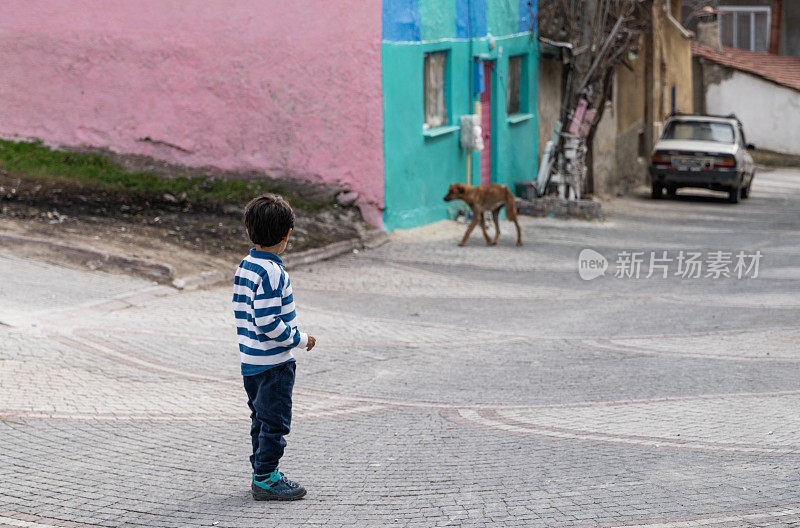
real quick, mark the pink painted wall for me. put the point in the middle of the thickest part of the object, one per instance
(292, 87)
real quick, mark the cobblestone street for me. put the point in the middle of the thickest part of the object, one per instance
(450, 386)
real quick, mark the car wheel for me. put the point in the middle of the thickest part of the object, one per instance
(657, 191)
(746, 190)
(745, 193)
(733, 194)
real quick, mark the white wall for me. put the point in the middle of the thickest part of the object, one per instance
(770, 113)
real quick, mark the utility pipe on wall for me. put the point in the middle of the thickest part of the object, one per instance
(675, 22)
(775, 30)
(470, 84)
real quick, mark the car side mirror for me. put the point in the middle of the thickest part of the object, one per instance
(750, 146)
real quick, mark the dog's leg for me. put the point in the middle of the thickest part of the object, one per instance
(511, 213)
(496, 216)
(475, 220)
(485, 232)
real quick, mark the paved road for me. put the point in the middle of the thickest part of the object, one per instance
(450, 387)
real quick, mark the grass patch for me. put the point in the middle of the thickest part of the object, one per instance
(35, 160)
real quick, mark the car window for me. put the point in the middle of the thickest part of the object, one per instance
(699, 131)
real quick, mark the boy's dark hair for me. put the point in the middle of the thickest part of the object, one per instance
(268, 218)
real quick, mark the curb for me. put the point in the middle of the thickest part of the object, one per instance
(311, 256)
(193, 282)
(303, 258)
(164, 272)
(554, 206)
(96, 258)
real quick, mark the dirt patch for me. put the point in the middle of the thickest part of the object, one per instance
(771, 159)
(191, 237)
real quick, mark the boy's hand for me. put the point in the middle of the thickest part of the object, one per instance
(311, 343)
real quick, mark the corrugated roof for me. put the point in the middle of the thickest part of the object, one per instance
(779, 69)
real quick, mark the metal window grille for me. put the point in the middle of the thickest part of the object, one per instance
(513, 85)
(434, 86)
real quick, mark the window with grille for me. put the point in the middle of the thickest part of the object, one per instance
(513, 84)
(745, 27)
(435, 75)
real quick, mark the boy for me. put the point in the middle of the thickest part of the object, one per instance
(267, 328)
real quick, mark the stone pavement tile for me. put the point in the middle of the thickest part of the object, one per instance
(393, 494)
(482, 387)
(72, 287)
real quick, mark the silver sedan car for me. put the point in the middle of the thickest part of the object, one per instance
(702, 151)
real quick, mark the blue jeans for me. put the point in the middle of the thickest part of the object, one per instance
(269, 396)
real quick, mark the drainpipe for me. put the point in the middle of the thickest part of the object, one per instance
(675, 21)
(775, 30)
(470, 84)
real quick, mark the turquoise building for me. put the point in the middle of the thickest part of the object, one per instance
(440, 58)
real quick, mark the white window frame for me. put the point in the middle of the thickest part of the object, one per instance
(752, 10)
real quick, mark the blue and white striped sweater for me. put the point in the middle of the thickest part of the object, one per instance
(264, 309)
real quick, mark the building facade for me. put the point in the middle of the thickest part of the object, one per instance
(440, 58)
(647, 87)
(765, 26)
(331, 92)
(763, 90)
(292, 89)
(748, 64)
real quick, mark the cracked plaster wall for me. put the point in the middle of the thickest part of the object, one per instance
(770, 113)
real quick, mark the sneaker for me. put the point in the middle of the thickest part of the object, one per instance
(277, 487)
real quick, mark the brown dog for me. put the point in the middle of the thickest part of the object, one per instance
(484, 198)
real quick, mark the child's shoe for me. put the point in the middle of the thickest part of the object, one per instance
(276, 487)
